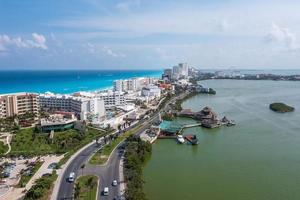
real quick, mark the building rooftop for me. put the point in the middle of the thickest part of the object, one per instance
(63, 96)
(169, 126)
(18, 94)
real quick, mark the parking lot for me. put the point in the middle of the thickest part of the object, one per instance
(12, 173)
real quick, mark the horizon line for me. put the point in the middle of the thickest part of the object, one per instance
(147, 69)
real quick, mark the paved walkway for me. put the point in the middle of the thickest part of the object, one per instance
(43, 169)
(7, 140)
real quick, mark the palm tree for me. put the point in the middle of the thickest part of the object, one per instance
(91, 183)
(77, 190)
(82, 167)
(119, 127)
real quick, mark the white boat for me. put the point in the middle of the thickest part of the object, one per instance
(180, 139)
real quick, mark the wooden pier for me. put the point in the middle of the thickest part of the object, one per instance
(189, 126)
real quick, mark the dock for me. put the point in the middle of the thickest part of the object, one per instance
(147, 138)
(191, 138)
(150, 135)
(189, 126)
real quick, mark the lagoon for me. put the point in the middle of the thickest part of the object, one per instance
(257, 159)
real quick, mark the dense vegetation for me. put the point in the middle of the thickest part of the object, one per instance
(14, 123)
(86, 188)
(167, 116)
(136, 154)
(3, 148)
(165, 101)
(101, 156)
(281, 107)
(28, 142)
(41, 187)
(8, 124)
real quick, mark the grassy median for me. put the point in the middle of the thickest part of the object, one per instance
(86, 188)
(102, 155)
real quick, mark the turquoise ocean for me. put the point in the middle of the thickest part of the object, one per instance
(69, 81)
(66, 81)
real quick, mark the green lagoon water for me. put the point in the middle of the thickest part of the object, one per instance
(258, 159)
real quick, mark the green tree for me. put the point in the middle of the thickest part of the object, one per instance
(82, 167)
(77, 190)
(91, 183)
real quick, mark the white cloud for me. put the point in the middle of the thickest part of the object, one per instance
(281, 35)
(4, 39)
(38, 41)
(234, 19)
(128, 5)
(108, 51)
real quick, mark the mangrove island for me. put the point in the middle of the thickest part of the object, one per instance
(281, 107)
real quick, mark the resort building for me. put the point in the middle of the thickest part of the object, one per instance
(167, 74)
(59, 121)
(208, 118)
(112, 98)
(177, 72)
(133, 84)
(18, 104)
(83, 107)
(184, 69)
(151, 91)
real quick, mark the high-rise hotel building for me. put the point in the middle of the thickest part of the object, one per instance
(133, 84)
(82, 106)
(18, 104)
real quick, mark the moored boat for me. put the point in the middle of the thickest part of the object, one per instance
(230, 123)
(192, 139)
(180, 139)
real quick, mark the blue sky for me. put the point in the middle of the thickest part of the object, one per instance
(140, 34)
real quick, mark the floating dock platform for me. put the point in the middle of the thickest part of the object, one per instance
(192, 139)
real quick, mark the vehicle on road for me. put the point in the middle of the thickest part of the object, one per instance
(106, 191)
(71, 177)
(115, 183)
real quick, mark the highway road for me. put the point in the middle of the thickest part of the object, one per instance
(66, 188)
(107, 173)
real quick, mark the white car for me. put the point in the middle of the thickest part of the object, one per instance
(71, 177)
(106, 191)
(115, 183)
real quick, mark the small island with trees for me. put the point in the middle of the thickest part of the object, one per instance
(281, 107)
